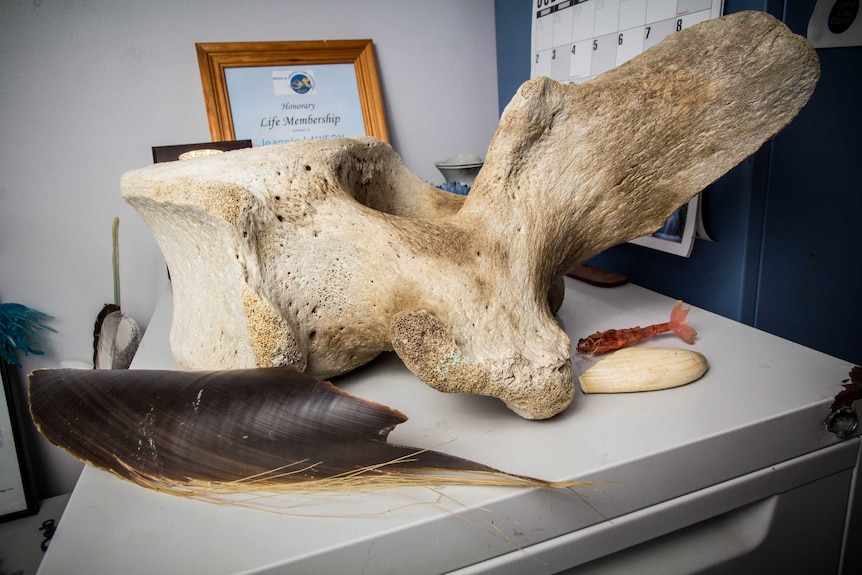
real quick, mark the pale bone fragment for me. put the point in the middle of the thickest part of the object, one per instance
(643, 369)
(324, 254)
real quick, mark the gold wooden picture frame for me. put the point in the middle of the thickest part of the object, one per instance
(215, 58)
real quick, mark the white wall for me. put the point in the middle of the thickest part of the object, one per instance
(88, 86)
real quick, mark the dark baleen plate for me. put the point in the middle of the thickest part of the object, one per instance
(219, 425)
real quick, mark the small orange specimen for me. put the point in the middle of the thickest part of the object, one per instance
(614, 339)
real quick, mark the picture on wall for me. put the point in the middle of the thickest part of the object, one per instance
(276, 92)
(17, 496)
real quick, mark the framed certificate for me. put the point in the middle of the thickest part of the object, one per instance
(17, 496)
(273, 92)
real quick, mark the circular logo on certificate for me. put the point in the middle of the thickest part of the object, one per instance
(301, 83)
(842, 15)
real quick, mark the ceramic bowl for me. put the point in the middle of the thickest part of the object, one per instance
(461, 168)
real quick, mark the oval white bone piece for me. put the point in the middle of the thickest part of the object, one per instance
(643, 369)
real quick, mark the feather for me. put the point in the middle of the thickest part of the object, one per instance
(19, 327)
(115, 335)
(251, 429)
(98, 344)
(117, 341)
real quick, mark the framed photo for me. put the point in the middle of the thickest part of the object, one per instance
(186, 151)
(17, 496)
(677, 234)
(273, 92)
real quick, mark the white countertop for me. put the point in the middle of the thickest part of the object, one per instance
(763, 401)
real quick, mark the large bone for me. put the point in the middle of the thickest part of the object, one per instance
(323, 254)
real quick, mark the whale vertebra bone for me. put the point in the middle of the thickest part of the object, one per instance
(323, 254)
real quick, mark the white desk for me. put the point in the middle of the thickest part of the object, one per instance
(752, 428)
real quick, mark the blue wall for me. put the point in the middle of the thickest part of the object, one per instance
(787, 222)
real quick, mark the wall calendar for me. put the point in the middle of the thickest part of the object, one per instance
(576, 40)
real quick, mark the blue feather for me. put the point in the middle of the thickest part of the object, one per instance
(19, 326)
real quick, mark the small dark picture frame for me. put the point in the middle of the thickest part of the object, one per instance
(183, 151)
(17, 491)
